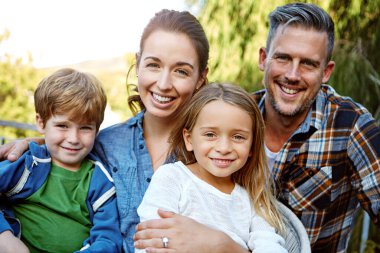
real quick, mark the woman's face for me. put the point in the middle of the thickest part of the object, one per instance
(168, 73)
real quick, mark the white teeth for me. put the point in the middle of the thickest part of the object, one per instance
(161, 99)
(289, 91)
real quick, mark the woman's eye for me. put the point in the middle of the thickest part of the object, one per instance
(182, 72)
(152, 65)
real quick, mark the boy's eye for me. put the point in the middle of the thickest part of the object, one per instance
(61, 126)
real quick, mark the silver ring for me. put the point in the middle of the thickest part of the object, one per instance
(165, 241)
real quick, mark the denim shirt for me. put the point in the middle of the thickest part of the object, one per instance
(123, 149)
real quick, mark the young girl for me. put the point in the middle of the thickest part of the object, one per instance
(221, 177)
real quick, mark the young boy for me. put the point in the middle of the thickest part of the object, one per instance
(60, 195)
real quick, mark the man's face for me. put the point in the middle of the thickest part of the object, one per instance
(294, 68)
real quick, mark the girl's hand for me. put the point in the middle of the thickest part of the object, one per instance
(185, 236)
(13, 150)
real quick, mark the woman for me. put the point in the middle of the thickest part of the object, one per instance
(171, 66)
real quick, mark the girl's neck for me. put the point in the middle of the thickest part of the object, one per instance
(156, 135)
(224, 185)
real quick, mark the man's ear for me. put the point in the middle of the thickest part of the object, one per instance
(187, 138)
(40, 124)
(328, 71)
(262, 58)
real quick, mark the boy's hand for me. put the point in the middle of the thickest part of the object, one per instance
(10, 244)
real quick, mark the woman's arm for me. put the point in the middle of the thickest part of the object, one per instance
(14, 150)
(185, 236)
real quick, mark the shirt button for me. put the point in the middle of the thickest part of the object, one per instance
(141, 146)
(114, 169)
(148, 179)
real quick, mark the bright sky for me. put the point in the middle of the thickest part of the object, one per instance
(58, 32)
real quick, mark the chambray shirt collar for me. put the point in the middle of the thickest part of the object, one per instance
(137, 120)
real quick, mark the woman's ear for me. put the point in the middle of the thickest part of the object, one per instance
(202, 79)
(40, 124)
(187, 138)
(137, 58)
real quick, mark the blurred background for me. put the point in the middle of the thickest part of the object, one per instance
(101, 37)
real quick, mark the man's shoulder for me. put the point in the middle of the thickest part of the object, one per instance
(338, 102)
(258, 95)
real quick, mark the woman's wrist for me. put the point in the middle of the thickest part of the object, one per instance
(224, 244)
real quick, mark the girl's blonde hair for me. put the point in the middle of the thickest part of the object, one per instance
(254, 176)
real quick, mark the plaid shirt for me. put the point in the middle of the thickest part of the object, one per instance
(328, 167)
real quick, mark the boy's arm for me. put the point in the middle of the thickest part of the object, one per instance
(10, 243)
(105, 234)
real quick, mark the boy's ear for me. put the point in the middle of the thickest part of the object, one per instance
(187, 138)
(40, 124)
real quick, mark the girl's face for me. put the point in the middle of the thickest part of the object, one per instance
(168, 73)
(221, 141)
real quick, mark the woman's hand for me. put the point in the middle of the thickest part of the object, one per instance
(13, 150)
(185, 236)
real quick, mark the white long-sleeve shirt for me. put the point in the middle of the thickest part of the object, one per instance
(175, 188)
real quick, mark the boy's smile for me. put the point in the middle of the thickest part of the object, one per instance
(68, 142)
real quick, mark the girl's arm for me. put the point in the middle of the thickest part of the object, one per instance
(185, 236)
(14, 150)
(263, 237)
(10, 243)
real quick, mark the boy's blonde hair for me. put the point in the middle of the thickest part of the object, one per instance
(254, 176)
(76, 94)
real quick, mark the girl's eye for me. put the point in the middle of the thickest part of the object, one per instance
(209, 135)
(239, 137)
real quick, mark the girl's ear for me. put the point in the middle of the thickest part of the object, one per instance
(40, 124)
(187, 138)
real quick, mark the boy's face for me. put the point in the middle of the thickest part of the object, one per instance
(68, 142)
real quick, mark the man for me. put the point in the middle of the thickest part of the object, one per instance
(323, 149)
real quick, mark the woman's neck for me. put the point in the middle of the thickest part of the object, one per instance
(156, 135)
